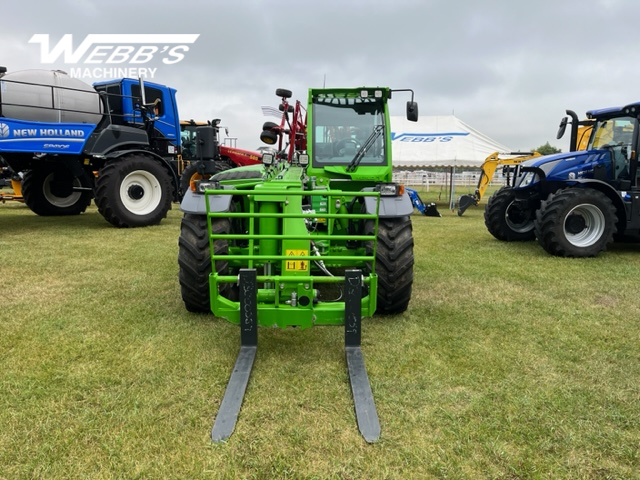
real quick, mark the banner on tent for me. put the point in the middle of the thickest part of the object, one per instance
(439, 141)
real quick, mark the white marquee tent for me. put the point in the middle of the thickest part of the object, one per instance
(439, 141)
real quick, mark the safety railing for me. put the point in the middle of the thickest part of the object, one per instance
(288, 254)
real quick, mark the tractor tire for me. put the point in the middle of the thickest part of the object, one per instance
(505, 221)
(283, 92)
(576, 222)
(224, 164)
(394, 263)
(48, 191)
(194, 260)
(269, 137)
(134, 191)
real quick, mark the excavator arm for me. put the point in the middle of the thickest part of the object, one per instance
(488, 170)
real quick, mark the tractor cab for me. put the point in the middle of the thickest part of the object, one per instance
(609, 155)
(154, 108)
(616, 134)
(349, 128)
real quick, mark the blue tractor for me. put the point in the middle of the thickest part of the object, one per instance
(575, 203)
(117, 141)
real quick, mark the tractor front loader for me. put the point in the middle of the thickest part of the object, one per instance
(317, 234)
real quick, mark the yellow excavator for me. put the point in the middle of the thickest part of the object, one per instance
(488, 169)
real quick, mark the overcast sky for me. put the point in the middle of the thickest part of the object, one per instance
(508, 68)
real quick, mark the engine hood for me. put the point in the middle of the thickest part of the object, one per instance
(570, 165)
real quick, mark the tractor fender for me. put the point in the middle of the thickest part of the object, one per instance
(195, 203)
(175, 181)
(608, 190)
(400, 206)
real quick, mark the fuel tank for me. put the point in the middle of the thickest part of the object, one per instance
(48, 96)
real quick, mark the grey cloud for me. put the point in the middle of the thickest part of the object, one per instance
(509, 69)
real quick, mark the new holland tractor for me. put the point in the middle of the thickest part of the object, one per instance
(574, 203)
(317, 234)
(117, 141)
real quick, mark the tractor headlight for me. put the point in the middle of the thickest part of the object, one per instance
(390, 189)
(205, 185)
(528, 179)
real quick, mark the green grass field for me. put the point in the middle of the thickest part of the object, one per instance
(509, 364)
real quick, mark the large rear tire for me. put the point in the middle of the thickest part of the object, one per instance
(49, 191)
(505, 220)
(394, 263)
(134, 191)
(576, 222)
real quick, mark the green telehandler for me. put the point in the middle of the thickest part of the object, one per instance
(317, 234)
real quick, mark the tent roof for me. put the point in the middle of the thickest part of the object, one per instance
(439, 141)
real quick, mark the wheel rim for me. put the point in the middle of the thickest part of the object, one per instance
(60, 202)
(140, 192)
(517, 219)
(584, 225)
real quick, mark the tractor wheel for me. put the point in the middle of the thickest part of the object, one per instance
(394, 263)
(134, 191)
(48, 191)
(283, 92)
(194, 260)
(576, 222)
(224, 164)
(505, 220)
(269, 137)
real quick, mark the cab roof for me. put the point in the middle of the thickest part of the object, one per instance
(632, 109)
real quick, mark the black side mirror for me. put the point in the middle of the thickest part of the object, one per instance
(562, 127)
(412, 111)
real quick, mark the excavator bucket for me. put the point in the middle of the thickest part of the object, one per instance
(431, 210)
(464, 202)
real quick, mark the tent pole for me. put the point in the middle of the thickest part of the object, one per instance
(451, 187)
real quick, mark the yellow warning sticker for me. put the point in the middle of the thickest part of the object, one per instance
(296, 264)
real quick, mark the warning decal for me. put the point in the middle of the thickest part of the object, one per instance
(296, 264)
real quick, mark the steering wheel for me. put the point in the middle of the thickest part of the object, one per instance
(341, 144)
